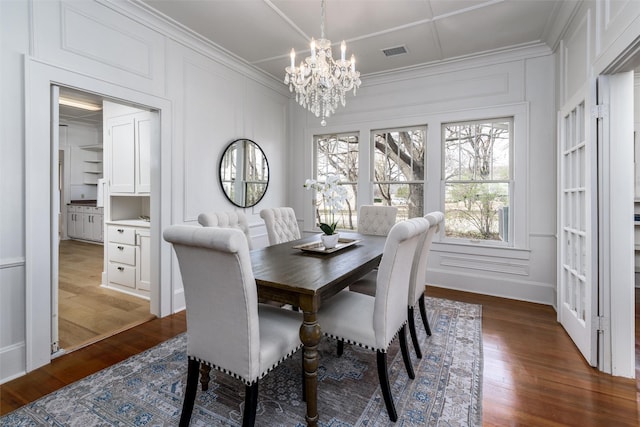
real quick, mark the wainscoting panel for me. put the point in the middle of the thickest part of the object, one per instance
(210, 121)
(95, 40)
(485, 85)
(576, 49)
(12, 315)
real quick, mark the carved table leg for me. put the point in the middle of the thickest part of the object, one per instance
(204, 376)
(310, 337)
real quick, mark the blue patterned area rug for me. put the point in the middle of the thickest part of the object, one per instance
(147, 389)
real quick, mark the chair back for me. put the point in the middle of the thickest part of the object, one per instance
(220, 296)
(419, 267)
(226, 220)
(281, 223)
(376, 220)
(392, 283)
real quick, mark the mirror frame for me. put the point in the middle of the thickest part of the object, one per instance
(226, 151)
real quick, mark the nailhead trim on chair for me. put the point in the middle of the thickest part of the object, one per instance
(383, 350)
(238, 377)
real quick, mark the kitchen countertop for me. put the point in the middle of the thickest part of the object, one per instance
(83, 202)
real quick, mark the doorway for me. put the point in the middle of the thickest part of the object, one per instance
(87, 310)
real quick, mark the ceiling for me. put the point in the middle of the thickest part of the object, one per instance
(79, 115)
(262, 32)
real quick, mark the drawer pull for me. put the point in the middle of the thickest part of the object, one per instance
(120, 230)
(121, 248)
(120, 268)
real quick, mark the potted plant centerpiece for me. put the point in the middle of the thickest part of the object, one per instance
(333, 196)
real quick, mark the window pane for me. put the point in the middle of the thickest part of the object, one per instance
(409, 198)
(477, 151)
(338, 155)
(398, 170)
(477, 174)
(477, 211)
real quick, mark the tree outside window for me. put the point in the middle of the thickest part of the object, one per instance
(398, 170)
(337, 154)
(477, 179)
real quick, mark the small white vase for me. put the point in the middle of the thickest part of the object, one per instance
(330, 241)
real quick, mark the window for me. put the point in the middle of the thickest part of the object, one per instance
(337, 154)
(477, 175)
(399, 170)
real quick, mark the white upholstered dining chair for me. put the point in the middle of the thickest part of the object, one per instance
(226, 220)
(376, 220)
(418, 276)
(373, 322)
(282, 224)
(367, 284)
(227, 329)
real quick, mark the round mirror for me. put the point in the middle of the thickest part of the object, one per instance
(244, 173)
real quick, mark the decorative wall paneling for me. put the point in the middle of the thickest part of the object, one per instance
(523, 88)
(48, 35)
(603, 37)
(576, 57)
(99, 42)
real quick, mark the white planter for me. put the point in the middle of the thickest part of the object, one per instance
(331, 241)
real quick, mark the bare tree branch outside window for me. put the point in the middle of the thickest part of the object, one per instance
(477, 176)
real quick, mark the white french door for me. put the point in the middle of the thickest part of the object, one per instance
(577, 203)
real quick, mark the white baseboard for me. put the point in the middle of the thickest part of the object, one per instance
(12, 362)
(512, 288)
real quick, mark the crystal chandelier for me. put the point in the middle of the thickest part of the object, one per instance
(320, 81)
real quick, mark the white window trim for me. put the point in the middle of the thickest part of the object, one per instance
(518, 226)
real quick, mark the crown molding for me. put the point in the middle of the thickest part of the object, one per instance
(173, 30)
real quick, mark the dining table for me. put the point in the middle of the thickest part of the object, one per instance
(306, 275)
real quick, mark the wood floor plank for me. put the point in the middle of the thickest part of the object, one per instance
(532, 376)
(87, 311)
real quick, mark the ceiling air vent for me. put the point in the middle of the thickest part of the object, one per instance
(393, 51)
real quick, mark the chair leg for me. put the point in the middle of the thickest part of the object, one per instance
(423, 313)
(340, 348)
(250, 405)
(193, 370)
(414, 335)
(383, 376)
(405, 352)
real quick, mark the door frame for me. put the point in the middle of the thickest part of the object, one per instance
(616, 243)
(39, 76)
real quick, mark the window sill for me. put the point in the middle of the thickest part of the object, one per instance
(480, 249)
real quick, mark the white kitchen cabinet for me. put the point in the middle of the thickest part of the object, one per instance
(93, 224)
(129, 142)
(143, 261)
(85, 223)
(74, 222)
(128, 259)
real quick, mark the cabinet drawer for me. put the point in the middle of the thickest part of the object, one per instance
(124, 275)
(123, 254)
(122, 235)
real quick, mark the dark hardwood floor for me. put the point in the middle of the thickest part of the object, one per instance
(533, 374)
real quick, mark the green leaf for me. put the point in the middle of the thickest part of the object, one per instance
(328, 229)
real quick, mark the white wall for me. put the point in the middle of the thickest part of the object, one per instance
(603, 35)
(120, 51)
(519, 84)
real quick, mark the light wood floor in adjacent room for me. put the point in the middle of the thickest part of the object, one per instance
(88, 312)
(533, 375)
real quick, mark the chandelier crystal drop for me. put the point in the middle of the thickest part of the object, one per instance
(321, 82)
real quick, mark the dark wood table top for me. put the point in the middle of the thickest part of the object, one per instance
(287, 274)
